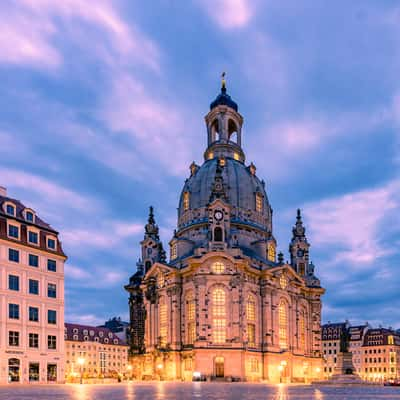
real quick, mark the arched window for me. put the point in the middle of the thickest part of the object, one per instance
(251, 319)
(215, 136)
(283, 324)
(186, 201)
(217, 234)
(219, 315)
(302, 330)
(162, 322)
(232, 131)
(190, 318)
(160, 280)
(302, 269)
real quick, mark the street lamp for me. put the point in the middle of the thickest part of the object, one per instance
(280, 368)
(129, 368)
(81, 361)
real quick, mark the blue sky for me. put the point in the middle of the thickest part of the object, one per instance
(102, 107)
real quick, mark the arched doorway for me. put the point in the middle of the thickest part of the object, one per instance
(13, 370)
(219, 367)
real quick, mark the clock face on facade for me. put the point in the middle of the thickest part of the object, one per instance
(218, 215)
(300, 253)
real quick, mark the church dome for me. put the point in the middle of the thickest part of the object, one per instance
(241, 187)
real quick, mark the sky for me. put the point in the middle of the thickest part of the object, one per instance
(102, 111)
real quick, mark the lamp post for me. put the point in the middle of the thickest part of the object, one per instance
(129, 368)
(81, 361)
(280, 368)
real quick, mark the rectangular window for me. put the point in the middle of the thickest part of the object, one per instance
(52, 317)
(33, 372)
(51, 372)
(33, 260)
(51, 290)
(13, 231)
(10, 210)
(251, 334)
(52, 265)
(13, 311)
(13, 338)
(34, 340)
(13, 282)
(51, 244)
(13, 255)
(33, 237)
(33, 314)
(33, 286)
(29, 216)
(51, 342)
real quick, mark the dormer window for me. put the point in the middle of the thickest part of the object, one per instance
(259, 202)
(51, 243)
(29, 216)
(186, 201)
(10, 209)
(174, 252)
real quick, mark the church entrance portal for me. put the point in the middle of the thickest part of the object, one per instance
(219, 364)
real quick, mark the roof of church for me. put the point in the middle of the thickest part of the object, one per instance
(241, 185)
(224, 99)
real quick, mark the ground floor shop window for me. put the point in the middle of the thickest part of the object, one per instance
(13, 370)
(33, 372)
(51, 372)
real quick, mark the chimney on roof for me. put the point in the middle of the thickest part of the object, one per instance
(3, 191)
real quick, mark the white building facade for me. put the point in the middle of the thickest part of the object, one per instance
(31, 297)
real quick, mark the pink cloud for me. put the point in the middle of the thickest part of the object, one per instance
(229, 14)
(353, 222)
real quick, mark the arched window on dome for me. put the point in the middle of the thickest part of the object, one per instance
(302, 329)
(251, 320)
(283, 324)
(233, 135)
(218, 237)
(186, 201)
(218, 315)
(259, 202)
(162, 322)
(190, 318)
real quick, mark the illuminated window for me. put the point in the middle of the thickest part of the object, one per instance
(302, 269)
(283, 281)
(174, 251)
(251, 309)
(219, 315)
(236, 156)
(191, 318)
(162, 320)
(253, 364)
(210, 155)
(186, 201)
(302, 330)
(251, 334)
(390, 339)
(283, 325)
(222, 162)
(259, 202)
(271, 252)
(218, 267)
(160, 279)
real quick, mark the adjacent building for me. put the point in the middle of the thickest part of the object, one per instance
(357, 334)
(380, 355)
(31, 296)
(94, 353)
(224, 306)
(331, 334)
(119, 327)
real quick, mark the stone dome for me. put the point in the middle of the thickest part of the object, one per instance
(240, 184)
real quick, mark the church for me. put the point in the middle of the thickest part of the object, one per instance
(225, 306)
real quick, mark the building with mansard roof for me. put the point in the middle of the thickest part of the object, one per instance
(224, 306)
